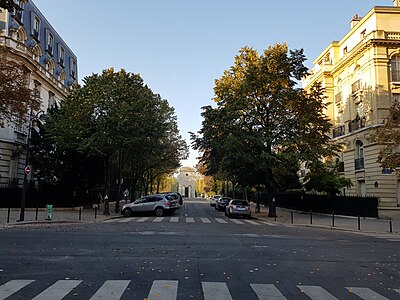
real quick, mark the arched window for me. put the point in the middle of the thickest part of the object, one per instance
(50, 66)
(37, 53)
(62, 76)
(395, 64)
(357, 85)
(359, 155)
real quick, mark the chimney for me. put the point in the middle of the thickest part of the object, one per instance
(355, 19)
(396, 3)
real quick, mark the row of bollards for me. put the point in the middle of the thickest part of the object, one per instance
(333, 220)
(49, 217)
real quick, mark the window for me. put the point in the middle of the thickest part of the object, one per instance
(72, 67)
(344, 50)
(62, 76)
(19, 11)
(395, 63)
(359, 161)
(37, 52)
(52, 99)
(362, 34)
(50, 42)
(35, 27)
(61, 55)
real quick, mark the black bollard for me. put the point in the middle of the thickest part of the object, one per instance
(37, 212)
(359, 223)
(390, 226)
(80, 213)
(291, 217)
(95, 213)
(333, 219)
(310, 216)
(8, 215)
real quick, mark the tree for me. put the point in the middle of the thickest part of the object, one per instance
(389, 136)
(116, 118)
(16, 98)
(262, 122)
(324, 177)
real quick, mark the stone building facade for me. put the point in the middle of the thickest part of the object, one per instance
(361, 77)
(26, 36)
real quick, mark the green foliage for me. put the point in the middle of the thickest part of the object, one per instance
(263, 126)
(389, 135)
(16, 98)
(116, 117)
(324, 177)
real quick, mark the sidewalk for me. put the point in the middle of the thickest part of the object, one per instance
(59, 215)
(337, 222)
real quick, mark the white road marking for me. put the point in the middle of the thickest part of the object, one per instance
(267, 223)
(141, 220)
(205, 220)
(126, 220)
(189, 220)
(366, 293)
(163, 290)
(158, 219)
(316, 292)
(252, 222)
(111, 290)
(221, 221)
(174, 219)
(58, 290)
(237, 221)
(267, 292)
(216, 290)
(13, 286)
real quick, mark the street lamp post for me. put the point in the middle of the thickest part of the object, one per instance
(27, 169)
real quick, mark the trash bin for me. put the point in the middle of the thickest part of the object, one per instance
(49, 209)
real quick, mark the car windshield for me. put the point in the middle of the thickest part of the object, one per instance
(236, 202)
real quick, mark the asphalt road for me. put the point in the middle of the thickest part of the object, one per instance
(197, 253)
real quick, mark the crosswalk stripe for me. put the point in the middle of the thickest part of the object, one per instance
(316, 292)
(189, 220)
(237, 221)
(141, 220)
(252, 222)
(111, 290)
(205, 220)
(216, 290)
(158, 219)
(13, 286)
(221, 221)
(267, 223)
(174, 219)
(58, 290)
(366, 293)
(163, 290)
(267, 292)
(126, 220)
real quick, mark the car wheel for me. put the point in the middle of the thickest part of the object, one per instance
(159, 211)
(127, 212)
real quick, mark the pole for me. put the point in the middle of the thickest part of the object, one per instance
(8, 215)
(359, 223)
(37, 211)
(310, 216)
(28, 145)
(291, 217)
(390, 225)
(333, 219)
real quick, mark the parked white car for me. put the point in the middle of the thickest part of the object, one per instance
(213, 200)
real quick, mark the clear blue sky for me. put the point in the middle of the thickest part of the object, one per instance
(180, 47)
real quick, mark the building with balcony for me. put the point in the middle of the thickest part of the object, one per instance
(26, 36)
(361, 78)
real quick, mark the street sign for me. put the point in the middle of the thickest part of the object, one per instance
(27, 170)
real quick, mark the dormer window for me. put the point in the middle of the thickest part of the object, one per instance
(72, 68)
(19, 11)
(50, 42)
(35, 32)
(61, 55)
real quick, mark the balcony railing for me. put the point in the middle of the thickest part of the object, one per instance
(356, 86)
(338, 131)
(359, 163)
(356, 124)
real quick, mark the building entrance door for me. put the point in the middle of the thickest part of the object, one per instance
(186, 192)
